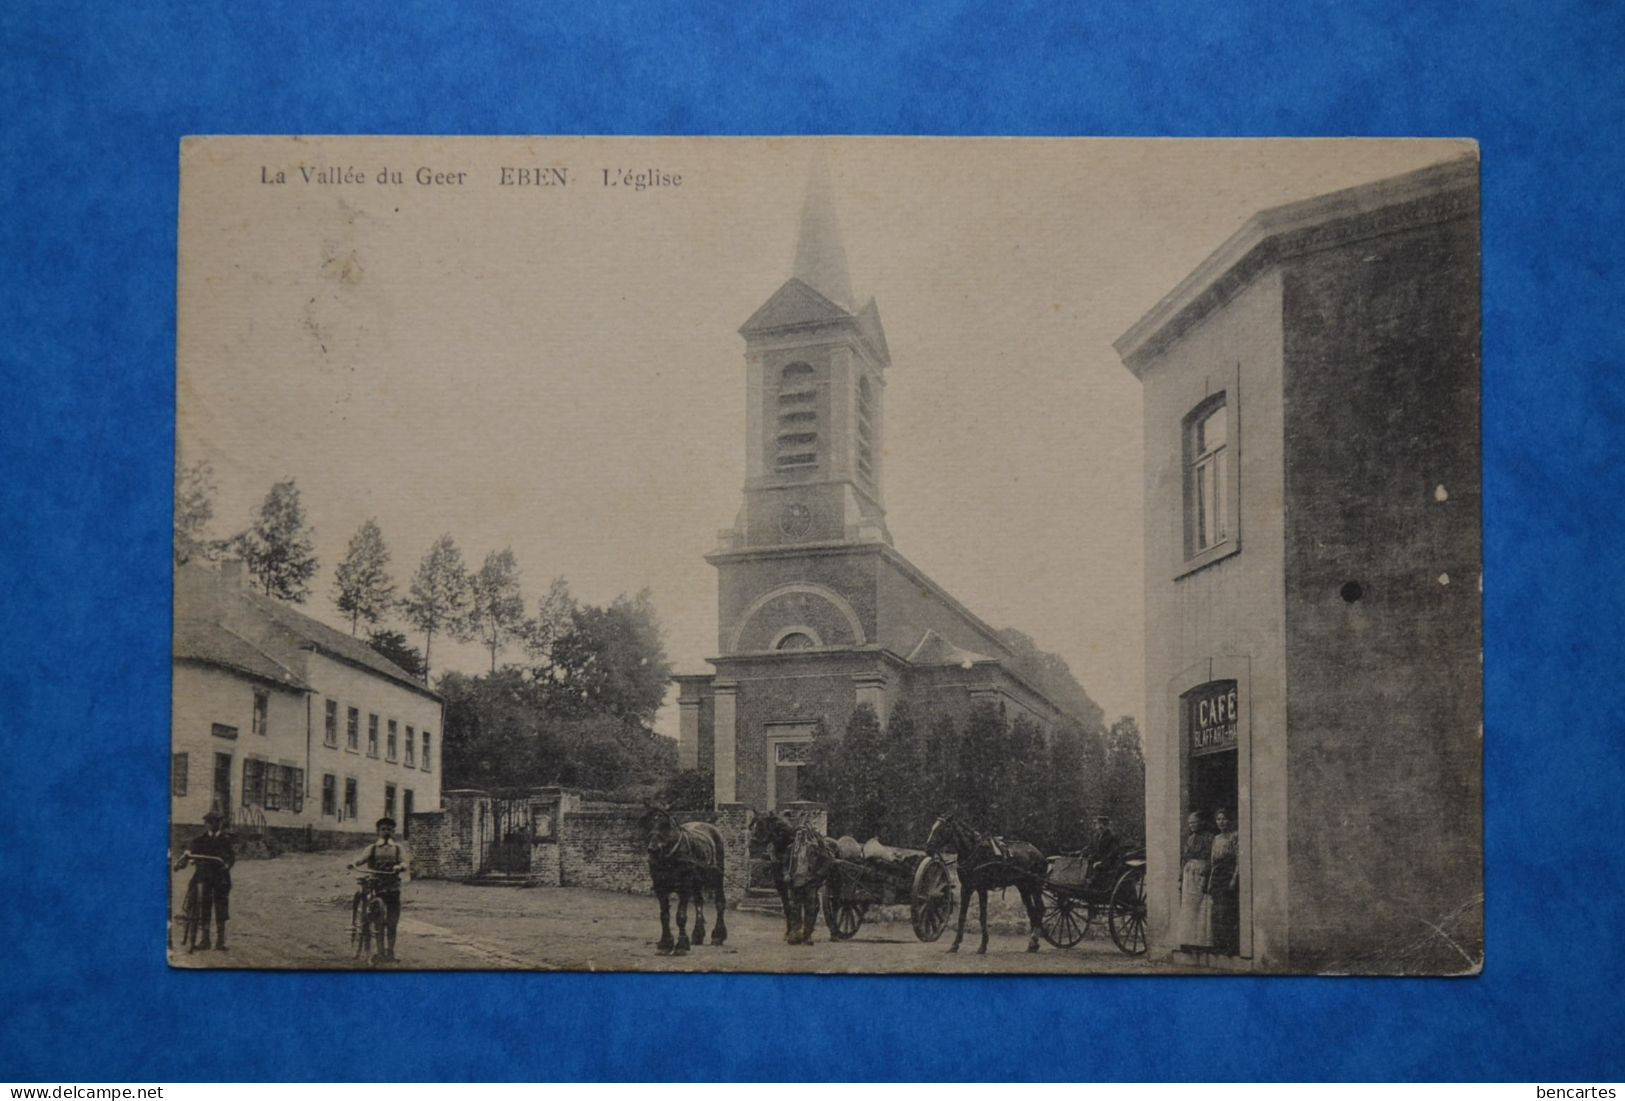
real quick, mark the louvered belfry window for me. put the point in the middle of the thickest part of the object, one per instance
(796, 445)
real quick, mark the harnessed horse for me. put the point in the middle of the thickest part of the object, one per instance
(777, 833)
(985, 863)
(686, 858)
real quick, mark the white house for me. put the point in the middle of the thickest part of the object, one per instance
(296, 730)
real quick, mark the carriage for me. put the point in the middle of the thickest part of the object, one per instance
(883, 876)
(1078, 894)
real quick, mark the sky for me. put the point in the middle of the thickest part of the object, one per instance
(558, 370)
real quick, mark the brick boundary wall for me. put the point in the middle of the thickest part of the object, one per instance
(601, 846)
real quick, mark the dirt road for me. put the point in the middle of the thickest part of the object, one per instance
(294, 912)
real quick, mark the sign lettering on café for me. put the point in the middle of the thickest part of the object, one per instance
(1212, 717)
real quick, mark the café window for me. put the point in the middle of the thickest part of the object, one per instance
(1210, 492)
(177, 774)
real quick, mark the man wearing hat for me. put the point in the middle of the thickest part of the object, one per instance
(212, 854)
(389, 862)
(1103, 848)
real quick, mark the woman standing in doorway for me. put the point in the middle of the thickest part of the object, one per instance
(1224, 882)
(1193, 928)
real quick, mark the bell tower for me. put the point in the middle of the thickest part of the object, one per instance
(815, 386)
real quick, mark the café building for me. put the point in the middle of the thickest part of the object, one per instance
(1313, 586)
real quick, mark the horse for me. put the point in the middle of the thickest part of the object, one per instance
(985, 863)
(771, 830)
(686, 858)
(810, 861)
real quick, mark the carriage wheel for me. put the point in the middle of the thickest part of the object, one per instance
(843, 916)
(932, 902)
(1066, 919)
(1127, 916)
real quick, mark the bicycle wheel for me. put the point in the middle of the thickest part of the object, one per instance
(360, 934)
(188, 916)
(377, 923)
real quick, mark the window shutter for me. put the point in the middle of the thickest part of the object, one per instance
(296, 789)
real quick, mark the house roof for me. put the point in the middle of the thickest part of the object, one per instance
(278, 632)
(1427, 195)
(213, 644)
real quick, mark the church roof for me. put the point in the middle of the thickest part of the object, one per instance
(933, 649)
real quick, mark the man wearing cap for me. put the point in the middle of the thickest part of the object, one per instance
(389, 862)
(212, 854)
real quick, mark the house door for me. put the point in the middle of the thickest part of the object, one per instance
(222, 783)
(406, 813)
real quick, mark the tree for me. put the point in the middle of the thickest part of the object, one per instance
(362, 588)
(607, 661)
(496, 607)
(904, 820)
(279, 547)
(437, 601)
(194, 509)
(1052, 676)
(1123, 794)
(555, 615)
(394, 646)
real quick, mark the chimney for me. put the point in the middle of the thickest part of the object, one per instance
(233, 573)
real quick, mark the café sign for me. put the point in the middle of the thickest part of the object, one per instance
(1211, 717)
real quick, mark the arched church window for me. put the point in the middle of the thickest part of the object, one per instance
(866, 432)
(797, 440)
(796, 640)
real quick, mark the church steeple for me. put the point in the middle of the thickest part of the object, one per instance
(820, 254)
(815, 397)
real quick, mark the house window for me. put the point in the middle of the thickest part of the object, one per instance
(392, 746)
(426, 766)
(352, 731)
(221, 730)
(389, 800)
(274, 782)
(330, 794)
(177, 774)
(330, 728)
(1211, 499)
(411, 739)
(253, 782)
(372, 735)
(406, 813)
(349, 797)
(293, 787)
(796, 445)
(262, 712)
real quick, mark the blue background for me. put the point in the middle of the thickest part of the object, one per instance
(96, 98)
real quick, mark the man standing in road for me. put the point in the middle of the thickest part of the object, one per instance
(389, 862)
(212, 854)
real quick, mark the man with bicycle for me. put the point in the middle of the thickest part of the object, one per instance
(386, 861)
(211, 853)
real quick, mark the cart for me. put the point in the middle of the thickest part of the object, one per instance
(1113, 894)
(924, 883)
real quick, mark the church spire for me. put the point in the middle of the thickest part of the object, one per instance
(820, 256)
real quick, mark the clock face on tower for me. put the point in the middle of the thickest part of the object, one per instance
(795, 520)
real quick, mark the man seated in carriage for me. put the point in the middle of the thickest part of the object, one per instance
(1103, 852)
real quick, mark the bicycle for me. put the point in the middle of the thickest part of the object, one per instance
(369, 919)
(187, 918)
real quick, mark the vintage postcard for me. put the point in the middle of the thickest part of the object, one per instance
(839, 555)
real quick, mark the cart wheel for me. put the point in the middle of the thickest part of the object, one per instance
(1127, 915)
(843, 916)
(932, 902)
(1066, 919)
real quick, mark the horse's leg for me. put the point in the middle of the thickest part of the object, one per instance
(698, 883)
(982, 898)
(809, 912)
(964, 911)
(719, 928)
(1034, 903)
(790, 915)
(681, 948)
(663, 893)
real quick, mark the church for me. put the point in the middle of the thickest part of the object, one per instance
(817, 612)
